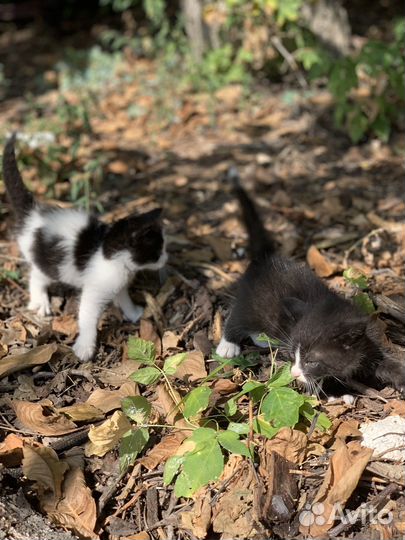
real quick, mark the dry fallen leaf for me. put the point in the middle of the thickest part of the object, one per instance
(345, 469)
(198, 519)
(108, 400)
(82, 412)
(11, 450)
(65, 324)
(33, 357)
(105, 437)
(166, 448)
(42, 466)
(319, 263)
(289, 443)
(395, 407)
(76, 508)
(166, 406)
(222, 247)
(192, 368)
(42, 418)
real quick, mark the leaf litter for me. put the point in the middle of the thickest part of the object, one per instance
(319, 210)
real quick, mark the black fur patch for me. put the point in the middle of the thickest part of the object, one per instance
(88, 242)
(48, 254)
(21, 199)
(141, 235)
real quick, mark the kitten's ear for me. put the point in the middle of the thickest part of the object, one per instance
(151, 216)
(293, 307)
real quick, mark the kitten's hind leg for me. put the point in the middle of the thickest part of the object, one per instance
(39, 299)
(131, 311)
(92, 304)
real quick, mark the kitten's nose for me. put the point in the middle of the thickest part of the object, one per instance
(296, 371)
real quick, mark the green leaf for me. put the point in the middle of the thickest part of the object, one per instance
(137, 408)
(255, 389)
(230, 441)
(282, 377)
(281, 407)
(264, 338)
(200, 467)
(171, 468)
(196, 401)
(141, 351)
(171, 364)
(133, 442)
(202, 434)
(230, 407)
(357, 124)
(323, 422)
(355, 278)
(364, 303)
(241, 429)
(146, 376)
(262, 427)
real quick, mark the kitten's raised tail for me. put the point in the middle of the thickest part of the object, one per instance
(260, 242)
(21, 199)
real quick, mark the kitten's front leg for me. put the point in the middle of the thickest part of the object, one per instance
(229, 345)
(92, 304)
(39, 299)
(131, 311)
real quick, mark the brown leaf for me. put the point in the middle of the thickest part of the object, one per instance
(237, 513)
(319, 263)
(11, 452)
(65, 324)
(192, 368)
(167, 407)
(198, 519)
(108, 400)
(76, 508)
(345, 469)
(222, 247)
(217, 328)
(42, 418)
(82, 412)
(33, 357)
(348, 428)
(42, 466)
(147, 331)
(289, 443)
(170, 340)
(105, 437)
(143, 535)
(167, 447)
(395, 406)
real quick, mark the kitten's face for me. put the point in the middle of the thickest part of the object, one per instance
(335, 352)
(142, 236)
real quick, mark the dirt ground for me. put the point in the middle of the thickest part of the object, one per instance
(324, 199)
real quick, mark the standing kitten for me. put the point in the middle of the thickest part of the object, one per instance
(328, 337)
(71, 247)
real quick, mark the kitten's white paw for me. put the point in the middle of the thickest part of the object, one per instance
(227, 349)
(346, 398)
(134, 314)
(84, 351)
(43, 307)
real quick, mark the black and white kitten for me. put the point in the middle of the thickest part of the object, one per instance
(72, 247)
(326, 335)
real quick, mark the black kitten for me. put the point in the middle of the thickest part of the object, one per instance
(326, 335)
(72, 247)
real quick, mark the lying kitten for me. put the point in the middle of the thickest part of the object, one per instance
(71, 247)
(328, 337)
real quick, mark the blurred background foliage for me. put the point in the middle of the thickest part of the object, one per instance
(204, 45)
(352, 49)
